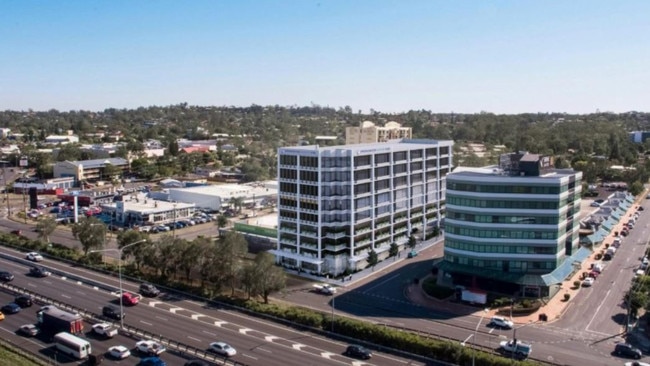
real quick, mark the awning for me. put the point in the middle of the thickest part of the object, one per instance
(582, 254)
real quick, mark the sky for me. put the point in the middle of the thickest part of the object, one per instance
(578, 56)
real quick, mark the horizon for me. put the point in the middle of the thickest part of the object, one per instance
(503, 57)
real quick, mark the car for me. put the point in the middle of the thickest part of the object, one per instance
(130, 299)
(222, 348)
(640, 208)
(196, 363)
(34, 257)
(412, 254)
(24, 301)
(39, 272)
(501, 322)
(637, 363)
(149, 290)
(11, 308)
(357, 351)
(587, 282)
(6, 276)
(112, 312)
(593, 274)
(645, 260)
(105, 329)
(595, 204)
(627, 350)
(17, 232)
(151, 361)
(639, 273)
(2, 316)
(29, 330)
(149, 347)
(516, 347)
(119, 352)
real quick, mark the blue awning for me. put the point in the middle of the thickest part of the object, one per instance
(560, 273)
(582, 254)
(608, 224)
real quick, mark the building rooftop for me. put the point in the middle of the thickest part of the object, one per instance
(398, 144)
(231, 190)
(98, 163)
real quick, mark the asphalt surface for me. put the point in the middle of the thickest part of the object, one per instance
(193, 323)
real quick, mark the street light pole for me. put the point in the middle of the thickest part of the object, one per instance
(485, 311)
(119, 273)
(333, 297)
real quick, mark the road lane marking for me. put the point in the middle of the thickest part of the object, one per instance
(47, 282)
(144, 322)
(194, 339)
(154, 303)
(263, 350)
(381, 283)
(209, 333)
(249, 356)
(31, 284)
(327, 354)
(66, 296)
(220, 323)
(161, 318)
(81, 293)
(298, 346)
(174, 310)
(270, 338)
(244, 330)
(197, 316)
(598, 308)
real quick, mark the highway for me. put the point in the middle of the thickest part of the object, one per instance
(257, 342)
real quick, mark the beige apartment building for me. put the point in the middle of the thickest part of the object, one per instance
(369, 133)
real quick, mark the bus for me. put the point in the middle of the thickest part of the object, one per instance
(74, 346)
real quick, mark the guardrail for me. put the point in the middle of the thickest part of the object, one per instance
(173, 346)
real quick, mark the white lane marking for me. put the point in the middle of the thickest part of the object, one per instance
(249, 356)
(327, 354)
(194, 339)
(264, 350)
(95, 288)
(297, 346)
(161, 318)
(598, 308)
(79, 283)
(154, 303)
(381, 283)
(174, 310)
(270, 338)
(244, 330)
(197, 316)
(47, 282)
(31, 285)
(220, 323)
(358, 363)
(491, 330)
(209, 333)
(81, 293)
(143, 322)
(66, 296)
(64, 278)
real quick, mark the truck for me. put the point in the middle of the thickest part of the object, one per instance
(105, 329)
(325, 289)
(516, 347)
(474, 296)
(52, 320)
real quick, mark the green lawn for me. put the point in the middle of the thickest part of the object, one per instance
(8, 357)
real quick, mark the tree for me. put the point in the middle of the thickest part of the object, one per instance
(222, 221)
(237, 203)
(45, 227)
(111, 172)
(394, 249)
(137, 251)
(372, 259)
(91, 233)
(412, 242)
(230, 250)
(267, 277)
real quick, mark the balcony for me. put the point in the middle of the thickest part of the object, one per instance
(362, 231)
(338, 235)
(288, 230)
(309, 246)
(287, 219)
(311, 233)
(336, 248)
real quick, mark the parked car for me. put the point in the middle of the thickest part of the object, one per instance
(587, 282)
(627, 350)
(222, 348)
(149, 290)
(637, 363)
(29, 330)
(11, 308)
(34, 257)
(17, 232)
(357, 351)
(501, 322)
(39, 272)
(112, 312)
(593, 274)
(119, 352)
(518, 348)
(24, 301)
(6, 276)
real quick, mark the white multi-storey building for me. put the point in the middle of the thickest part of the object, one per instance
(338, 203)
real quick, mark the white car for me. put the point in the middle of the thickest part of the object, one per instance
(501, 322)
(150, 347)
(105, 330)
(222, 348)
(119, 352)
(34, 257)
(588, 282)
(637, 363)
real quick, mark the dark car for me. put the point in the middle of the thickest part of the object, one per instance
(149, 290)
(39, 272)
(358, 352)
(627, 350)
(112, 312)
(196, 363)
(24, 301)
(6, 276)
(151, 361)
(17, 232)
(11, 308)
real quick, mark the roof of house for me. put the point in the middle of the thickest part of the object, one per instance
(99, 163)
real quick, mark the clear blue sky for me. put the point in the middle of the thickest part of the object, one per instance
(516, 56)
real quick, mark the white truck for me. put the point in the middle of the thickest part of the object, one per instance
(105, 329)
(519, 348)
(325, 289)
(474, 296)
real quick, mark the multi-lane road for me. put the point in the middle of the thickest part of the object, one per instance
(258, 342)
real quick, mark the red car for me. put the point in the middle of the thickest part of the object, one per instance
(130, 299)
(593, 274)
